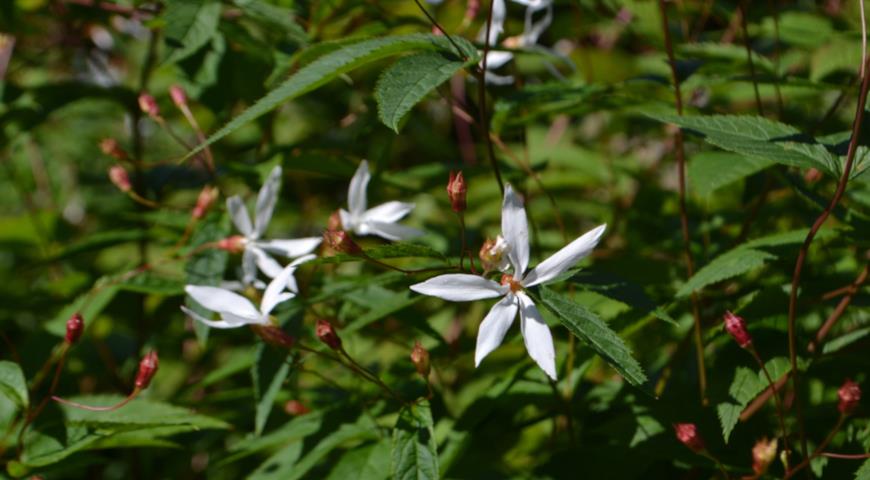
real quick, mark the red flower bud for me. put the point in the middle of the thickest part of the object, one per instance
(456, 190)
(334, 222)
(420, 358)
(274, 335)
(147, 369)
(74, 328)
(849, 395)
(204, 201)
(149, 105)
(340, 241)
(736, 327)
(763, 454)
(110, 147)
(687, 434)
(119, 177)
(295, 407)
(327, 334)
(813, 175)
(179, 98)
(234, 244)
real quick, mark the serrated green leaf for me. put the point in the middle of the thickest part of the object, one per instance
(746, 385)
(190, 24)
(710, 171)
(729, 414)
(409, 80)
(282, 18)
(139, 412)
(13, 384)
(414, 453)
(206, 267)
(89, 305)
(863, 473)
(595, 333)
(730, 264)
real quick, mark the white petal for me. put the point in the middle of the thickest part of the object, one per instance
(536, 335)
(348, 222)
(534, 30)
(565, 258)
(290, 248)
(496, 59)
(210, 323)
(222, 301)
(268, 265)
(460, 287)
(291, 280)
(249, 265)
(494, 326)
(515, 230)
(390, 212)
(266, 201)
(390, 231)
(239, 214)
(356, 194)
(499, 14)
(273, 296)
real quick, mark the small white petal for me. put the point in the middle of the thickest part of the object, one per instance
(249, 265)
(565, 258)
(494, 326)
(515, 229)
(496, 59)
(356, 193)
(266, 200)
(390, 212)
(536, 335)
(210, 323)
(239, 214)
(222, 301)
(348, 222)
(290, 248)
(389, 231)
(268, 265)
(273, 296)
(460, 287)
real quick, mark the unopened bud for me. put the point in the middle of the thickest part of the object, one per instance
(736, 327)
(492, 254)
(179, 98)
(204, 201)
(234, 244)
(327, 334)
(334, 222)
(687, 434)
(420, 357)
(274, 335)
(111, 147)
(119, 177)
(763, 454)
(456, 190)
(149, 105)
(147, 369)
(471, 9)
(74, 328)
(812, 175)
(849, 395)
(296, 408)
(340, 241)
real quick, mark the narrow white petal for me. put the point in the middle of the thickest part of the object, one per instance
(222, 301)
(533, 31)
(536, 335)
(268, 265)
(249, 265)
(389, 231)
(494, 326)
(356, 194)
(291, 280)
(275, 301)
(239, 214)
(348, 222)
(290, 248)
(460, 287)
(390, 212)
(210, 323)
(273, 296)
(515, 230)
(495, 59)
(266, 201)
(499, 14)
(565, 258)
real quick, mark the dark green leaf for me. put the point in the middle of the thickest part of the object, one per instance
(415, 453)
(12, 383)
(730, 264)
(369, 462)
(190, 24)
(268, 372)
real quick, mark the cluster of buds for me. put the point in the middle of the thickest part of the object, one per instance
(274, 335)
(687, 434)
(736, 327)
(849, 395)
(340, 241)
(75, 326)
(148, 105)
(763, 454)
(420, 358)
(327, 334)
(118, 175)
(112, 148)
(204, 201)
(147, 368)
(456, 190)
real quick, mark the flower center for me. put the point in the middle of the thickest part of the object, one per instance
(509, 281)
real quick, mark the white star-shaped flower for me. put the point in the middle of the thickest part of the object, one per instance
(380, 220)
(463, 287)
(532, 31)
(257, 251)
(237, 311)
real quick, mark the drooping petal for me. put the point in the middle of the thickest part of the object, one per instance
(534, 30)
(266, 201)
(460, 287)
(268, 265)
(290, 248)
(291, 280)
(565, 258)
(515, 230)
(249, 265)
(356, 194)
(211, 323)
(222, 301)
(390, 212)
(389, 231)
(239, 214)
(494, 326)
(273, 294)
(536, 335)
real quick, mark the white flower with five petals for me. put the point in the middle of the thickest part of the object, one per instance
(258, 252)
(380, 220)
(463, 287)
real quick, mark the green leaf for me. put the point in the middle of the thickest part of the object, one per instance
(390, 250)
(12, 383)
(409, 80)
(279, 465)
(279, 17)
(840, 55)
(730, 264)
(190, 24)
(369, 462)
(595, 333)
(89, 305)
(295, 430)
(270, 369)
(364, 429)
(729, 414)
(415, 453)
(747, 384)
(152, 283)
(139, 412)
(206, 267)
(863, 473)
(330, 66)
(710, 171)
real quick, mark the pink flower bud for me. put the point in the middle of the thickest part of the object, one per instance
(204, 201)
(849, 395)
(110, 147)
(147, 368)
(340, 241)
(274, 335)
(763, 454)
(334, 222)
(687, 434)
(420, 358)
(148, 105)
(234, 244)
(471, 9)
(179, 98)
(456, 190)
(296, 408)
(74, 328)
(119, 177)
(327, 334)
(736, 327)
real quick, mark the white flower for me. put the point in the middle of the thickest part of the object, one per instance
(236, 310)
(464, 287)
(532, 31)
(380, 220)
(257, 252)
